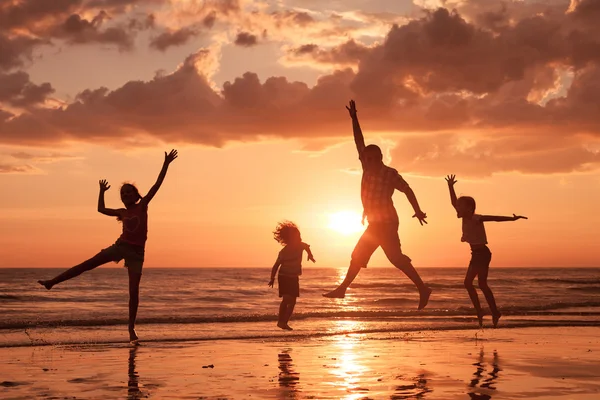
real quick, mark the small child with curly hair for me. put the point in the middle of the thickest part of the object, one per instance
(289, 263)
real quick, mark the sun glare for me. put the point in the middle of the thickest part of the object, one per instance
(345, 222)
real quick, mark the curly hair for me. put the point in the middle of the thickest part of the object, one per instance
(284, 231)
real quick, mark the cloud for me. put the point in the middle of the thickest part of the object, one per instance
(245, 39)
(484, 94)
(175, 38)
(42, 158)
(17, 90)
(344, 55)
(16, 169)
(15, 49)
(27, 24)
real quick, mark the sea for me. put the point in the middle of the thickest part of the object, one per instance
(236, 303)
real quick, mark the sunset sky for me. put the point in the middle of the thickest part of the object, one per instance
(504, 94)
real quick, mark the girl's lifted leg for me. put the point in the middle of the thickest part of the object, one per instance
(96, 261)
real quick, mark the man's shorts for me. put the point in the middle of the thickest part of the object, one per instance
(132, 254)
(288, 285)
(384, 235)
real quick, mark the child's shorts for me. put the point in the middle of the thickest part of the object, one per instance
(480, 258)
(132, 254)
(288, 285)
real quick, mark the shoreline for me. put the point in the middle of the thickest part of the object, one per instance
(265, 330)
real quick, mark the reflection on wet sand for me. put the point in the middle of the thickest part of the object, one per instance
(413, 388)
(133, 390)
(288, 378)
(482, 389)
(348, 369)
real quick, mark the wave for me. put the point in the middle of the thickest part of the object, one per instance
(547, 309)
(581, 281)
(589, 289)
(402, 331)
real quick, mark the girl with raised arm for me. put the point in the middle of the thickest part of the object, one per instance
(129, 246)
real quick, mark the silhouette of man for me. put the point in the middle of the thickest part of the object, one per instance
(377, 187)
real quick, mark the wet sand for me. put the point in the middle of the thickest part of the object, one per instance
(532, 363)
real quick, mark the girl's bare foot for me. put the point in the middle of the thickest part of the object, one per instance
(480, 319)
(47, 284)
(496, 318)
(133, 337)
(288, 328)
(281, 325)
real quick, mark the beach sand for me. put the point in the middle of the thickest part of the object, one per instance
(532, 363)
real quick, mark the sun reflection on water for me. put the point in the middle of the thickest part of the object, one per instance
(348, 370)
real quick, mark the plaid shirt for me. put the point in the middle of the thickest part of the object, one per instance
(376, 190)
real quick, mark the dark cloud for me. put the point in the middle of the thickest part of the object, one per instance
(245, 39)
(348, 53)
(15, 50)
(78, 30)
(210, 19)
(175, 38)
(17, 90)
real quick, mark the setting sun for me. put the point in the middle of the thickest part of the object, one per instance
(345, 222)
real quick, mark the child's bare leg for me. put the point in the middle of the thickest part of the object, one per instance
(489, 296)
(471, 274)
(282, 312)
(77, 270)
(134, 301)
(291, 303)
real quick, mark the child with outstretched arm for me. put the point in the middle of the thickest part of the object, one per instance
(473, 232)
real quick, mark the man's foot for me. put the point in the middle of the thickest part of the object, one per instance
(133, 337)
(495, 319)
(424, 297)
(47, 284)
(338, 293)
(283, 326)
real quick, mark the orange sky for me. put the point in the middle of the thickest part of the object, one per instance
(519, 127)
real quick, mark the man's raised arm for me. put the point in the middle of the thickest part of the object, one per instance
(358, 136)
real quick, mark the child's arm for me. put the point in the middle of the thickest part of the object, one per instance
(494, 218)
(274, 271)
(359, 140)
(402, 186)
(161, 176)
(310, 254)
(451, 179)
(104, 186)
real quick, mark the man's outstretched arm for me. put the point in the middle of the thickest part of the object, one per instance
(402, 186)
(358, 136)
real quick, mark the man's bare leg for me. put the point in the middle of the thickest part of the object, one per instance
(340, 291)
